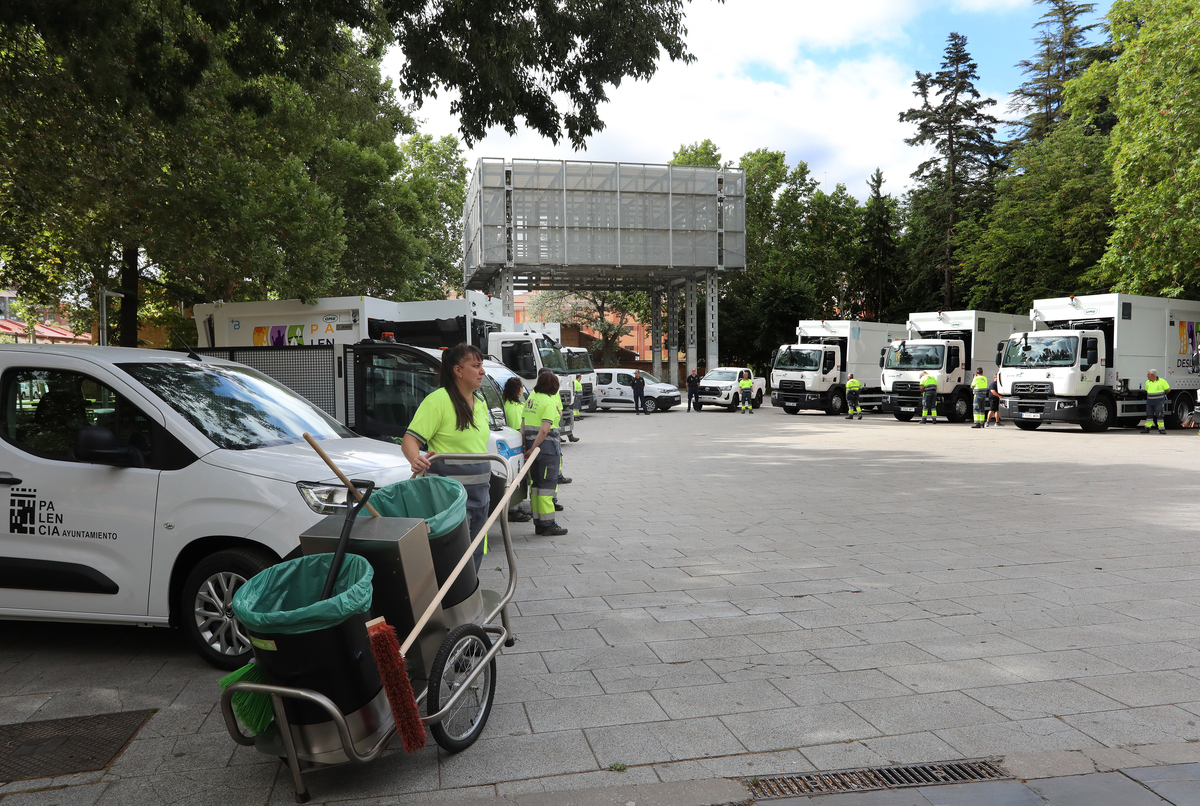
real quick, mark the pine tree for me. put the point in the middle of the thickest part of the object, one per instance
(1063, 52)
(878, 251)
(953, 120)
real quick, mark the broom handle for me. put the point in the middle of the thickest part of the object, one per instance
(468, 555)
(337, 472)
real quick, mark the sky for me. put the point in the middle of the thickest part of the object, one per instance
(822, 80)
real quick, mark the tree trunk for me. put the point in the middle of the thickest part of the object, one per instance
(127, 334)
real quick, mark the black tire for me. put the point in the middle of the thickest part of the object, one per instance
(837, 401)
(736, 402)
(205, 606)
(758, 399)
(651, 405)
(960, 409)
(698, 406)
(593, 406)
(604, 408)
(1180, 410)
(795, 410)
(461, 651)
(1027, 425)
(1101, 415)
(903, 416)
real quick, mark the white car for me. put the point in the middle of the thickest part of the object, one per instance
(719, 387)
(145, 486)
(614, 387)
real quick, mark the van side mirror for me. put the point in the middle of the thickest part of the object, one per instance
(98, 445)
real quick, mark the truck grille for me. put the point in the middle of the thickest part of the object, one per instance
(587, 388)
(791, 386)
(710, 390)
(910, 387)
(1026, 388)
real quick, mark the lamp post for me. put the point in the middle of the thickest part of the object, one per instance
(104, 295)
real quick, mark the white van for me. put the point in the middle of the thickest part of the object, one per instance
(614, 387)
(145, 486)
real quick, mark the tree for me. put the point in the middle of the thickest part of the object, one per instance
(1155, 245)
(608, 314)
(952, 119)
(1062, 54)
(703, 153)
(878, 267)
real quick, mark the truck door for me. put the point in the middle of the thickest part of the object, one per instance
(80, 535)
(389, 384)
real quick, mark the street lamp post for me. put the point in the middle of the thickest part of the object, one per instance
(104, 295)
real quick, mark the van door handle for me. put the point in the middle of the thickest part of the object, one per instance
(9, 480)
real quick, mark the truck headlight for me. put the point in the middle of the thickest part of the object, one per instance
(324, 499)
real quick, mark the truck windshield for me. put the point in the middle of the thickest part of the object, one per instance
(237, 408)
(790, 358)
(551, 358)
(1041, 351)
(578, 362)
(915, 356)
(719, 375)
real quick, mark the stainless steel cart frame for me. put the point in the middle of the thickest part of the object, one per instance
(356, 753)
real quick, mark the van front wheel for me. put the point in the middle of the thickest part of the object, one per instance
(206, 606)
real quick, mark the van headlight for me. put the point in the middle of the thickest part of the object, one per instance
(324, 499)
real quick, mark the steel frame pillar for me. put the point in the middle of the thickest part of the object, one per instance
(689, 297)
(508, 303)
(673, 334)
(656, 332)
(711, 291)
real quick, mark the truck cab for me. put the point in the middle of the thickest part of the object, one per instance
(527, 354)
(804, 376)
(1057, 375)
(903, 364)
(579, 362)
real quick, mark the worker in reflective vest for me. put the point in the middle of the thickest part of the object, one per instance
(541, 431)
(1156, 402)
(853, 388)
(578, 401)
(979, 385)
(746, 385)
(928, 397)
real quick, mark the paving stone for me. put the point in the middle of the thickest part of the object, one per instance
(1089, 790)
(1033, 700)
(1057, 665)
(921, 712)
(989, 793)
(655, 676)
(534, 756)
(656, 742)
(789, 728)
(950, 675)
(872, 656)
(719, 699)
(1170, 753)
(1047, 764)
(1131, 726)
(1028, 735)
(589, 712)
(1177, 783)
(1147, 688)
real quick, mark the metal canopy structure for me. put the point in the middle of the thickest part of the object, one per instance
(538, 225)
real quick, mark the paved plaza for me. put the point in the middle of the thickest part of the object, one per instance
(751, 595)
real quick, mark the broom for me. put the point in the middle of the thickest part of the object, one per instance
(251, 707)
(393, 671)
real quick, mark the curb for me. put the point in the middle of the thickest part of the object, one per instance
(714, 792)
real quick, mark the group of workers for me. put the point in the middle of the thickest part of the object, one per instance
(454, 419)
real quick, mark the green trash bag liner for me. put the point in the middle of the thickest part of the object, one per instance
(284, 598)
(441, 501)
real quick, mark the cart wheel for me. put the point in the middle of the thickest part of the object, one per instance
(460, 654)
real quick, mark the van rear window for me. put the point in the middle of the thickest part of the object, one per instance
(237, 408)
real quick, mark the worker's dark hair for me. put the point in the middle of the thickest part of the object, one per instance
(547, 382)
(979, 370)
(464, 407)
(512, 390)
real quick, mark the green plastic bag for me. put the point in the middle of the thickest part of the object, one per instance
(442, 502)
(284, 598)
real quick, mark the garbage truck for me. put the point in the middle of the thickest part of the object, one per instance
(812, 373)
(949, 345)
(1085, 358)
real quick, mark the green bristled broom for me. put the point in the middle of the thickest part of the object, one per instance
(253, 709)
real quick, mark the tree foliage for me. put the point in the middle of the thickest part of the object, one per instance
(1063, 53)
(608, 314)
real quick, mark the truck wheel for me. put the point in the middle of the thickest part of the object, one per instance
(651, 405)
(837, 402)
(604, 408)
(1027, 425)
(959, 409)
(206, 606)
(1100, 416)
(787, 410)
(698, 406)
(758, 399)
(903, 416)
(593, 406)
(1180, 411)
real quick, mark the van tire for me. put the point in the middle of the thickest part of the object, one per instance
(225, 571)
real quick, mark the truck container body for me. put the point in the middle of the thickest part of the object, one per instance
(950, 346)
(1087, 360)
(812, 373)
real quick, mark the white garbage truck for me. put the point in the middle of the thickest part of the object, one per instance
(1087, 359)
(812, 373)
(579, 362)
(949, 346)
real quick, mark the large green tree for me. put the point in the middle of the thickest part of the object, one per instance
(1063, 52)
(879, 260)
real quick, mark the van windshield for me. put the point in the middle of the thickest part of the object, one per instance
(790, 358)
(915, 356)
(1041, 351)
(237, 408)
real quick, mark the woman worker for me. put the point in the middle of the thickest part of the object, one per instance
(514, 415)
(541, 431)
(454, 419)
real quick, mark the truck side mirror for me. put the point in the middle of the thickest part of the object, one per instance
(774, 355)
(526, 365)
(98, 445)
(881, 362)
(1092, 358)
(999, 357)
(999, 347)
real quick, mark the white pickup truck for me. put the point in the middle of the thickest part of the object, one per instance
(719, 387)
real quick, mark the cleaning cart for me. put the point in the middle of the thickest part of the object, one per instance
(425, 586)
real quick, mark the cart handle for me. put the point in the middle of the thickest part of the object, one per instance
(501, 507)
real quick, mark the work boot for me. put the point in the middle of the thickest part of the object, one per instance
(923, 421)
(750, 410)
(563, 480)
(849, 416)
(550, 528)
(1145, 429)
(860, 415)
(517, 516)
(573, 438)
(558, 507)
(1162, 430)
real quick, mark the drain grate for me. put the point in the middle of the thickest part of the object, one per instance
(867, 778)
(65, 746)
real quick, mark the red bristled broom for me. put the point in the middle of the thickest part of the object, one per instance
(394, 673)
